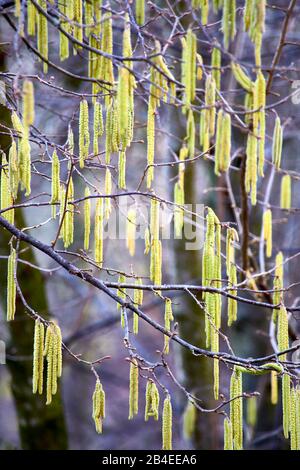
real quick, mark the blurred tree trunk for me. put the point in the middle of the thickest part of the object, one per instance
(40, 426)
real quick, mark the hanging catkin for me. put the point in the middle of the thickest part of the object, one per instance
(241, 77)
(152, 401)
(267, 229)
(121, 292)
(84, 135)
(25, 163)
(133, 389)
(277, 143)
(168, 319)
(232, 303)
(228, 440)
(87, 218)
(285, 192)
(122, 170)
(189, 68)
(53, 354)
(107, 190)
(65, 10)
(189, 420)
(55, 182)
(140, 12)
(98, 126)
(98, 236)
(210, 111)
(31, 18)
(190, 133)
(131, 231)
(106, 65)
(28, 103)
(228, 21)
(11, 286)
(252, 411)
(251, 167)
(6, 195)
(150, 142)
(278, 283)
(283, 344)
(274, 387)
(78, 21)
(223, 142)
(259, 125)
(67, 196)
(216, 66)
(38, 357)
(138, 300)
(236, 408)
(167, 424)
(42, 34)
(98, 406)
(14, 173)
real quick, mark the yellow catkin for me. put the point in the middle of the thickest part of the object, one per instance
(278, 283)
(228, 439)
(131, 231)
(254, 23)
(107, 190)
(150, 142)
(167, 424)
(14, 173)
(241, 77)
(78, 20)
(98, 236)
(283, 344)
(84, 135)
(267, 229)
(228, 21)
(168, 319)
(138, 300)
(5, 190)
(87, 218)
(189, 68)
(274, 388)
(286, 192)
(53, 353)
(66, 26)
(251, 167)
(277, 143)
(38, 357)
(42, 34)
(252, 411)
(28, 103)
(55, 182)
(297, 416)
(98, 126)
(140, 12)
(122, 170)
(98, 400)
(25, 163)
(293, 419)
(190, 133)
(210, 111)
(232, 303)
(154, 232)
(106, 65)
(223, 142)
(152, 401)
(216, 66)
(178, 211)
(259, 124)
(236, 408)
(133, 389)
(68, 221)
(11, 286)
(189, 420)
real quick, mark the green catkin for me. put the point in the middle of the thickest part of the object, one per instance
(283, 344)
(17, 124)
(140, 12)
(210, 111)
(87, 218)
(11, 286)
(267, 230)
(178, 211)
(232, 303)
(84, 135)
(150, 142)
(293, 419)
(138, 300)
(252, 411)
(285, 192)
(5, 190)
(68, 221)
(55, 182)
(38, 357)
(223, 142)
(216, 66)
(251, 167)
(278, 283)
(277, 143)
(228, 440)
(147, 239)
(190, 131)
(98, 400)
(167, 424)
(65, 25)
(78, 21)
(189, 68)
(98, 235)
(189, 420)
(236, 408)
(98, 126)
(42, 34)
(133, 389)
(297, 416)
(274, 387)
(168, 319)
(131, 231)
(228, 21)
(241, 77)
(108, 190)
(13, 170)
(28, 103)
(106, 65)
(122, 170)
(53, 353)
(25, 163)
(152, 401)
(259, 124)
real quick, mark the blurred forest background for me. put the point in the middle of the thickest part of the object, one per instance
(89, 320)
